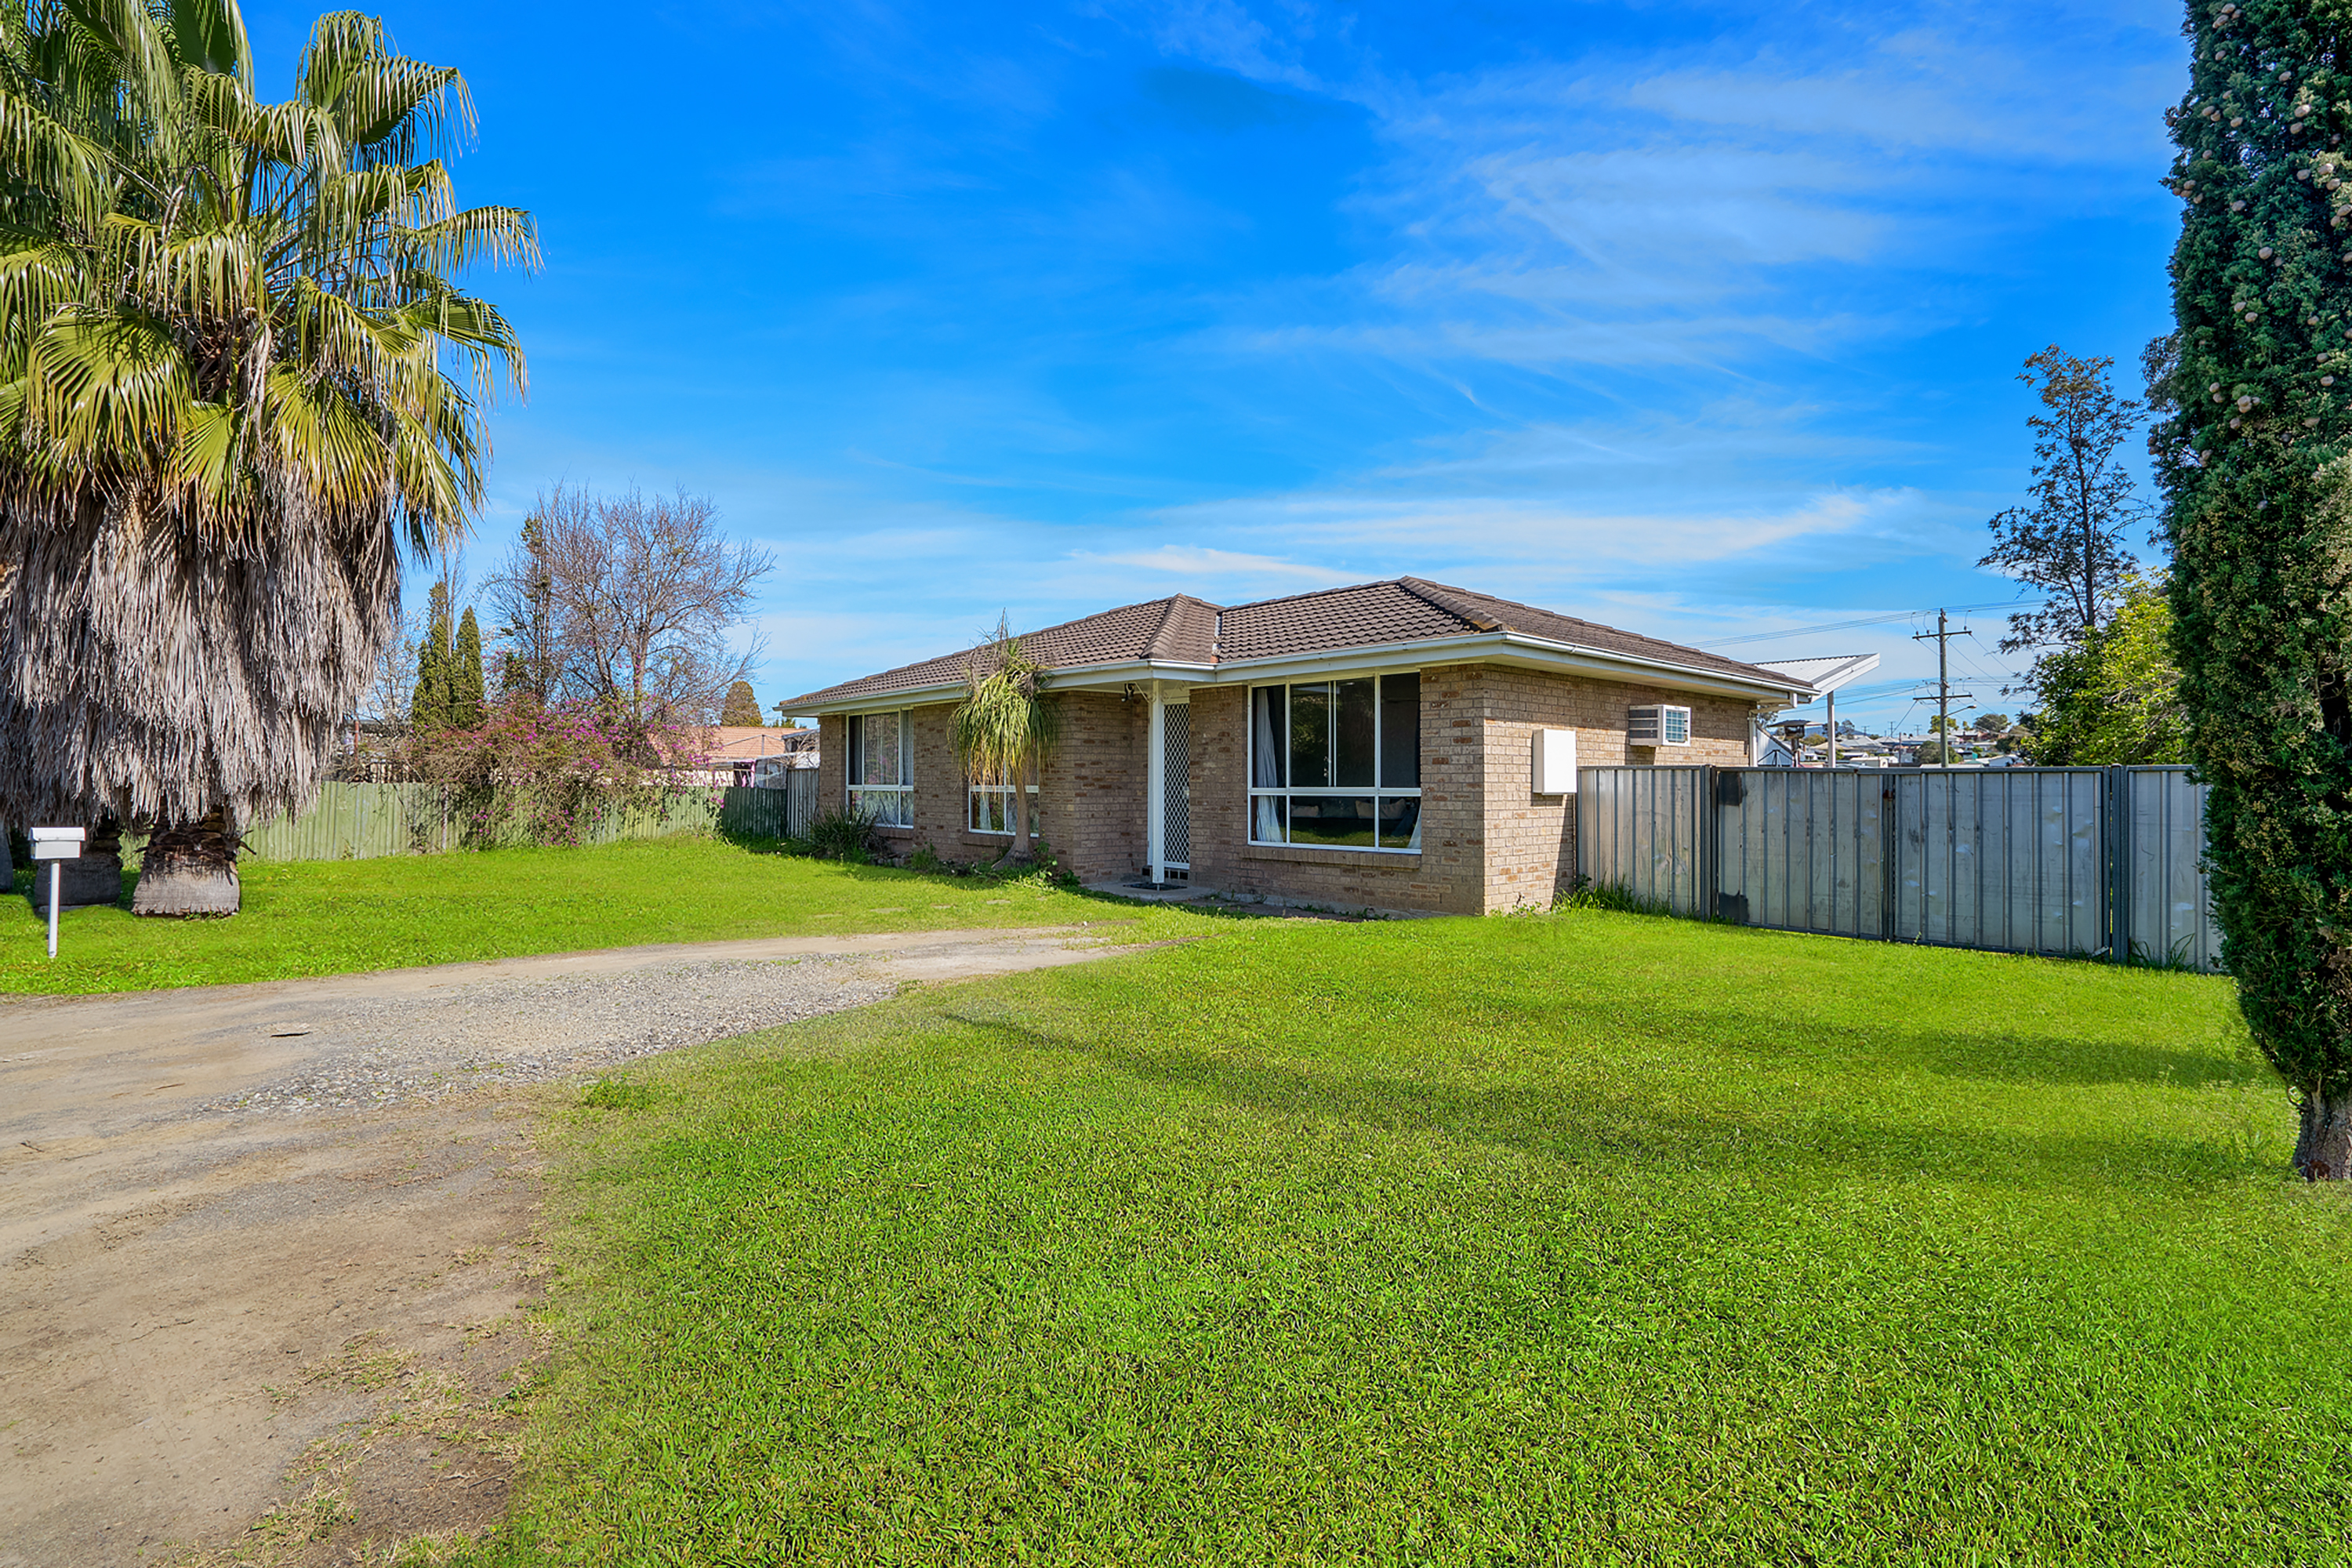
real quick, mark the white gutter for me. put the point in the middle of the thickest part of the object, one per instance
(1368, 657)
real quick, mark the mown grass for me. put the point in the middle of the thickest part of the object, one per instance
(336, 916)
(1585, 1238)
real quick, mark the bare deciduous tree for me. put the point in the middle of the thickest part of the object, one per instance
(625, 603)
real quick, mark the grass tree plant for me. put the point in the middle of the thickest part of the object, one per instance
(1006, 728)
(2252, 465)
(239, 377)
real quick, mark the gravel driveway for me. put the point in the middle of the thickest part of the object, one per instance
(519, 1029)
(257, 1240)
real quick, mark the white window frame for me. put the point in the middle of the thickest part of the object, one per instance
(971, 810)
(898, 798)
(1376, 791)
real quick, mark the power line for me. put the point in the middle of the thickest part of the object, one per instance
(1944, 635)
(1867, 621)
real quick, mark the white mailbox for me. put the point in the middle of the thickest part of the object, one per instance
(1555, 761)
(57, 843)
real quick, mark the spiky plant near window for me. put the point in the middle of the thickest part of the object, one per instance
(2252, 469)
(238, 378)
(1005, 727)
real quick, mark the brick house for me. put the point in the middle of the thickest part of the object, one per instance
(1377, 746)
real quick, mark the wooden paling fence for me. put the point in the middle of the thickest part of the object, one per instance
(2096, 861)
(364, 821)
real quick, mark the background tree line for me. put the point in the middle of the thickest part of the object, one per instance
(610, 619)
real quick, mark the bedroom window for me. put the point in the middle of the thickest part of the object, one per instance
(1336, 763)
(881, 768)
(992, 809)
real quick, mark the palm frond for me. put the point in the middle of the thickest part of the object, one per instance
(239, 379)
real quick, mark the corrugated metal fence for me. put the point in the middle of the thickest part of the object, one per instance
(2066, 860)
(362, 821)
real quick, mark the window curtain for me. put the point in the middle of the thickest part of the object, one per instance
(1268, 739)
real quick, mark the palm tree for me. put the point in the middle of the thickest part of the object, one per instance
(237, 380)
(1005, 727)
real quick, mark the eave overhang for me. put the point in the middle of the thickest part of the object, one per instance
(1509, 648)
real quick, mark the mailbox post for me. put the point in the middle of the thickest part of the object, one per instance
(55, 844)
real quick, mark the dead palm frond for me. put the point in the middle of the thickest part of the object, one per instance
(238, 381)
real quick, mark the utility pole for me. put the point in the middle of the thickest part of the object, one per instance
(1943, 692)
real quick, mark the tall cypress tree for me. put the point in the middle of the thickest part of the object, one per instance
(428, 709)
(742, 708)
(2257, 508)
(466, 687)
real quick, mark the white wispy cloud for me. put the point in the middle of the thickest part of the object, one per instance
(1205, 565)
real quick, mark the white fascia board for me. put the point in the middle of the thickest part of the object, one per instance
(1686, 678)
(1500, 648)
(1370, 659)
(1104, 677)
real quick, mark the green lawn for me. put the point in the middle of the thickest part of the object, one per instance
(333, 917)
(1587, 1237)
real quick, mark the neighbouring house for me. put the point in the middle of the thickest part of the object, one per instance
(755, 753)
(1398, 745)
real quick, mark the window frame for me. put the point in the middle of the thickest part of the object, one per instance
(901, 794)
(1377, 791)
(972, 792)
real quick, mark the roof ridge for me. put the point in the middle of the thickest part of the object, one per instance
(1452, 601)
(1151, 645)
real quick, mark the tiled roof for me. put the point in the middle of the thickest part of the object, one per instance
(744, 743)
(1185, 631)
(1179, 630)
(1361, 617)
(1552, 626)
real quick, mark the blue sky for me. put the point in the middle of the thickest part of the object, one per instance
(1702, 321)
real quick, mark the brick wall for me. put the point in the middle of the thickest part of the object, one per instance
(1091, 796)
(1531, 838)
(1487, 841)
(1096, 793)
(1442, 878)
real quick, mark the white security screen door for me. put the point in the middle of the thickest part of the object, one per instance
(1176, 787)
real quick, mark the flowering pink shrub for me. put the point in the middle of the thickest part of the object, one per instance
(557, 773)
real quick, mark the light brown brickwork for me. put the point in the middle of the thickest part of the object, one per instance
(1487, 841)
(1090, 798)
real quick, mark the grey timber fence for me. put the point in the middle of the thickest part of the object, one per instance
(364, 821)
(2099, 862)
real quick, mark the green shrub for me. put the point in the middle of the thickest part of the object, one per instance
(845, 836)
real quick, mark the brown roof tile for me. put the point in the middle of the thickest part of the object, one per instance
(1181, 624)
(1184, 630)
(1361, 617)
(1527, 620)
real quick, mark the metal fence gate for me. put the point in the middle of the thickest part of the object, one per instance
(2057, 860)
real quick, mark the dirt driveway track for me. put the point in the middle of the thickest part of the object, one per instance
(262, 1246)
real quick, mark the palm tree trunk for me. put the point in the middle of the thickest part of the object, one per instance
(190, 869)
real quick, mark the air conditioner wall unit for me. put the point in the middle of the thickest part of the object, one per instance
(1658, 724)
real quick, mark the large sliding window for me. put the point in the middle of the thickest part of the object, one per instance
(881, 768)
(1336, 763)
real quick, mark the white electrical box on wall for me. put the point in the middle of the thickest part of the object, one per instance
(1555, 761)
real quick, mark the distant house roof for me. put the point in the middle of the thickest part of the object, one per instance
(744, 743)
(1183, 637)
